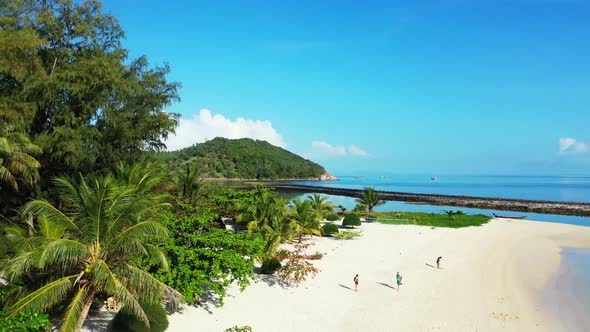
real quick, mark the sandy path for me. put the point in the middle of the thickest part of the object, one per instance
(493, 278)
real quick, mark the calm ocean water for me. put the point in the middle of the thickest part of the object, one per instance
(552, 188)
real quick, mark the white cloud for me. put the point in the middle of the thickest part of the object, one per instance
(327, 148)
(205, 126)
(567, 145)
(356, 151)
(321, 149)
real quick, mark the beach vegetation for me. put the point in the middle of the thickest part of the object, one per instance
(303, 215)
(320, 205)
(351, 219)
(86, 246)
(125, 321)
(432, 219)
(270, 266)
(370, 198)
(360, 208)
(236, 328)
(329, 229)
(295, 267)
(333, 217)
(25, 322)
(348, 235)
(203, 257)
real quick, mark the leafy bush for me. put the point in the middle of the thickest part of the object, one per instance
(296, 268)
(351, 219)
(333, 217)
(157, 316)
(329, 229)
(236, 328)
(25, 322)
(270, 266)
(347, 235)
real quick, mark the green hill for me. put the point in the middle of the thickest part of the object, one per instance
(242, 158)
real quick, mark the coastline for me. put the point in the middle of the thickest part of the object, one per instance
(494, 277)
(492, 203)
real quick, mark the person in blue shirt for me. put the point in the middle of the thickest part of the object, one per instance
(398, 278)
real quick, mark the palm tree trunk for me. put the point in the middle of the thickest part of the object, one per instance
(85, 308)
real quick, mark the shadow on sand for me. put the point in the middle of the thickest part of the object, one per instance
(386, 285)
(341, 285)
(432, 266)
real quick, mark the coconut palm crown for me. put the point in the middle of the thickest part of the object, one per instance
(304, 216)
(320, 205)
(370, 198)
(87, 248)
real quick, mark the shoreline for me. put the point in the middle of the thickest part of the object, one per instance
(494, 277)
(506, 204)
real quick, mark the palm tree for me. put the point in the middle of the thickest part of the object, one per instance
(304, 216)
(282, 230)
(320, 205)
(16, 161)
(370, 199)
(189, 184)
(88, 248)
(267, 209)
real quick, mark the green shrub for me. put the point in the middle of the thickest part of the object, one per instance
(25, 322)
(270, 266)
(329, 229)
(370, 218)
(333, 217)
(155, 312)
(351, 219)
(347, 235)
(236, 328)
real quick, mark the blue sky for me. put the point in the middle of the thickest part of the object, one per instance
(456, 86)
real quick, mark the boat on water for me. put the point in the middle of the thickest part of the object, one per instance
(434, 178)
(509, 217)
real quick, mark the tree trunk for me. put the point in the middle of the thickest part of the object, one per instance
(31, 225)
(85, 308)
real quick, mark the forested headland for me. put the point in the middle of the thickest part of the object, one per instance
(242, 159)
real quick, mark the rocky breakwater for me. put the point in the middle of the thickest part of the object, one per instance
(521, 205)
(326, 177)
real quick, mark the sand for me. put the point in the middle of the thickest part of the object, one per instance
(493, 278)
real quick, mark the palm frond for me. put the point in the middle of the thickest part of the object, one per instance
(45, 209)
(142, 231)
(109, 283)
(7, 177)
(63, 253)
(43, 298)
(72, 315)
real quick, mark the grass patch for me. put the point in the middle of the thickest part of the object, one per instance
(431, 219)
(347, 235)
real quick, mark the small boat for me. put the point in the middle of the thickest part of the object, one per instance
(434, 178)
(509, 217)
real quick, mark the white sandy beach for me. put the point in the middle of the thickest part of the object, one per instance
(493, 278)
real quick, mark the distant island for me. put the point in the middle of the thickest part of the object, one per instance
(244, 158)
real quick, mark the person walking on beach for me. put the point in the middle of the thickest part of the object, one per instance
(398, 278)
(438, 262)
(356, 282)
